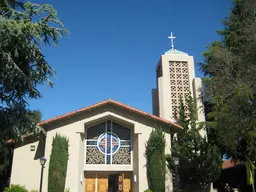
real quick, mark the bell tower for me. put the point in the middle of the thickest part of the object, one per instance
(175, 77)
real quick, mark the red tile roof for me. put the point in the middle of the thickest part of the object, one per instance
(112, 102)
(228, 164)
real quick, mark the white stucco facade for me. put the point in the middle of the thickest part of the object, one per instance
(26, 169)
(74, 128)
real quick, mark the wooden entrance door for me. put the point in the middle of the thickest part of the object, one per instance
(124, 182)
(90, 184)
(102, 185)
(113, 183)
(127, 184)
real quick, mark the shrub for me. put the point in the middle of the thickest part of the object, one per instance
(156, 166)
(148, 190)
(58, 164)
(16, 188)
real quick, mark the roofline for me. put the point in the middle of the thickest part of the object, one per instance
(132, 109)
(227, 164)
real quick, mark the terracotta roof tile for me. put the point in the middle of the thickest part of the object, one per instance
(228, 164)
(113, 103)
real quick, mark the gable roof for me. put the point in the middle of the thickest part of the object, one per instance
(109, 102)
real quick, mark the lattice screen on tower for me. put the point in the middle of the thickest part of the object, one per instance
(179, 81)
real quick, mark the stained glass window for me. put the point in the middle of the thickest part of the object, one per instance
(110, 142)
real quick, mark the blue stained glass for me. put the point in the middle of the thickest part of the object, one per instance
(108, 146)
(108, 159)
(125, 143)
(114, 149)
(91, 142)
(102, 148)
(108, 143)
(109, 126)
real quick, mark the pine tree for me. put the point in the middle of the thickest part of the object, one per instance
(200, 162)
(24, 29)
(156, 162)
(230, 85)
(58, 164)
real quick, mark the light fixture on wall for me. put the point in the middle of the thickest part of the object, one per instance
(135, 178)
(81, 178)
(42, 161)
(176, 161)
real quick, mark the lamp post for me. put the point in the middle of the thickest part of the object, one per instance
(42, 162)
(176, 164)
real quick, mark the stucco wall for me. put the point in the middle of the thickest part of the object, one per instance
(135, 179)
(81, 163)
(73, 128)
(72, 132)
(197, 85)
(26, 168)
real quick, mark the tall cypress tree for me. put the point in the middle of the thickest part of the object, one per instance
(58, 164)
(156, 163)
(200, 162)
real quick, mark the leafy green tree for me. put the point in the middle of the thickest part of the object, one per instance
(200, 162)
(4, 3)
(230, 83)
(58, 164)
(156, 162)
(24, 29)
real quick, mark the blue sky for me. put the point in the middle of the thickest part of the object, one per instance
(114, 47)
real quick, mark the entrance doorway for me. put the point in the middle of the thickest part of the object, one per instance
(107, 181)
(113, 183)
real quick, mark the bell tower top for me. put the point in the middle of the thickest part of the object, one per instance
(174, 51)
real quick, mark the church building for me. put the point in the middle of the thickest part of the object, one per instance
(107, 139)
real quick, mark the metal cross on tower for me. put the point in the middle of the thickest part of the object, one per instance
(172, 38)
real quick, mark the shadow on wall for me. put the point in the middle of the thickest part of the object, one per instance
(40, 148)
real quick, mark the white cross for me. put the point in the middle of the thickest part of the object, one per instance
(172, 37)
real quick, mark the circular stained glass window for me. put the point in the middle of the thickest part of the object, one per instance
(108, 143)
